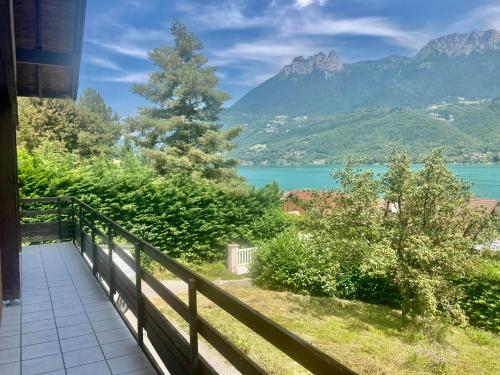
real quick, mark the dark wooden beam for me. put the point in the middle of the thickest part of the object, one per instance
(10, 243)
(7, 49)
(33, 92)
(38, 46)
(78, 42)
(41, 57)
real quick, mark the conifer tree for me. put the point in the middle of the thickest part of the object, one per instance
(180, 130)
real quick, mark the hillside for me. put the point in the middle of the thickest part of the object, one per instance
(319, 109)
(470, 130)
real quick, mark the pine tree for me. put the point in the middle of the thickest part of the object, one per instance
(91, 100)
(180, 132)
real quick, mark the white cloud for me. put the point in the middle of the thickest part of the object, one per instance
(121, 48)
(299, 19)
(222, 16)
(102, 62)
(307, 35)
(306, 3)
(138, 77)
(131, 41)
(486, 16)
(368, 26)
(273, 51)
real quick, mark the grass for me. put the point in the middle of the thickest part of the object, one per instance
(212, 271)
(367, 338)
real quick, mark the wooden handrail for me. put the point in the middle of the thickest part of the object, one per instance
(292, 345)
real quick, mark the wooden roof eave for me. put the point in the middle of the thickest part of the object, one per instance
(49, 38)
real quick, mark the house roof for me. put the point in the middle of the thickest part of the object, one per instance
(302, 196)
(306, 195)
(48, 44)
(484, 203)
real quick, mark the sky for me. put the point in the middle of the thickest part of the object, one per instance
(249, 41)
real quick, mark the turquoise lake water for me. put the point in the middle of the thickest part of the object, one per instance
(485, 178)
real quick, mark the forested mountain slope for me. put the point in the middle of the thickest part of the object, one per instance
(319, 109)
(470, 130)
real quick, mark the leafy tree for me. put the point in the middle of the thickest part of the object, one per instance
(180, 131)
(94, 102)
(85, 128)
(413, 228)
(432, 234)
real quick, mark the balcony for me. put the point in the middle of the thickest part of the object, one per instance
(71, 315)
(65, 321)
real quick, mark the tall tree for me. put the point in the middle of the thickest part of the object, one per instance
(91, 100)
(87, 127)
(180, 131)
(412, 227)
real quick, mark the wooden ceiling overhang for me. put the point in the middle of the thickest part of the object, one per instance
(48, 46)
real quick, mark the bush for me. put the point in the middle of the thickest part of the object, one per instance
(290, 263)
(181, 215)
(374, 289)
(271, 224)
(481, 302)
(285, 263)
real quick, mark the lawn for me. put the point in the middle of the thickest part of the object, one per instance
(367, 338)
(211, 270)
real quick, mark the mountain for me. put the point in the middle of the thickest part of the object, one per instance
(328, 65)
(320, 109)
(457, 65)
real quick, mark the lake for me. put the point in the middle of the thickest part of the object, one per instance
(485, 177)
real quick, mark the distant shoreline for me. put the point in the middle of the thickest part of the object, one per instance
(364, 164)
(485, 178)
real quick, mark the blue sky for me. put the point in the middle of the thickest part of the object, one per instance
(249, 41)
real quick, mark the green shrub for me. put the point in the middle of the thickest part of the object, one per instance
(277, 263)
(285, 263)
(375, 289)
(289, 263)
(272, 223)
(183, 216)
(481, 302)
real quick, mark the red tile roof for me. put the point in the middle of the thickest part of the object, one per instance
(484, 203)
(306, 195)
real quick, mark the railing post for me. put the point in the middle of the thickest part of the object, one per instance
(94, 253)
(232, 257)
(138, 288)
(193, 326)
(81, 228)
(73, 221)
(59, 225)
(110, 263)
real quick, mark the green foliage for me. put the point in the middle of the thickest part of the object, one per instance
(406, 249)
(84, 128)
(273, 222)
(284, 263)
(481, 301)
(181, 215)
(92, 101)
(180, 132)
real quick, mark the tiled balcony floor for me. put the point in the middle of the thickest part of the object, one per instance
(65, 323)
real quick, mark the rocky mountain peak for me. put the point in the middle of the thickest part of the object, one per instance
(327, 64)
(464, 44)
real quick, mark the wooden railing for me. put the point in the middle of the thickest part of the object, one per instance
(99, 239)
